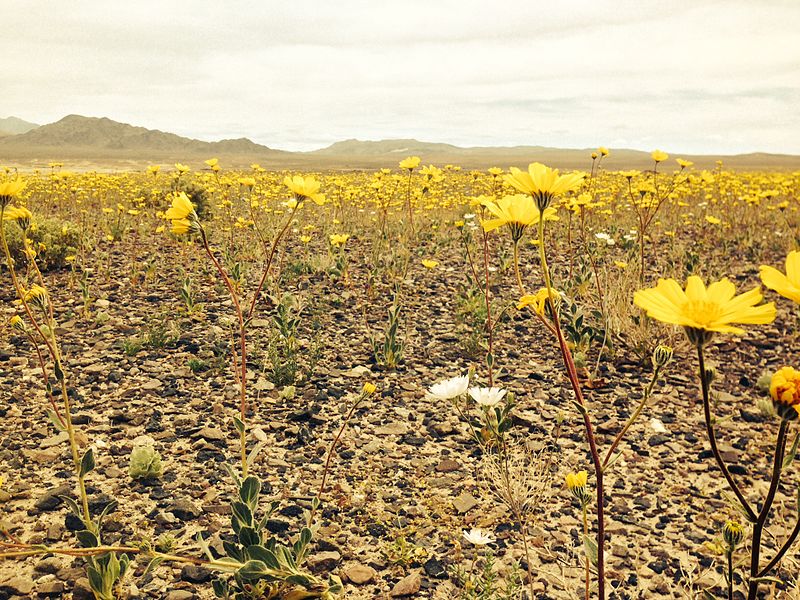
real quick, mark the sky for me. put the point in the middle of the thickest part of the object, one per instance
(685, 76)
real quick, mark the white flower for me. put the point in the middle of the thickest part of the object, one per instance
(605, 237)
(450, 388)
(478, 537)
(487, 396)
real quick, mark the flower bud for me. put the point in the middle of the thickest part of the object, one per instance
(661, 356)
(732, 533)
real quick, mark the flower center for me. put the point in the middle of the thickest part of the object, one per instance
(702, 312)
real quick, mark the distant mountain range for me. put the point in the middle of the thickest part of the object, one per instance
(90, 142)
(13, 126)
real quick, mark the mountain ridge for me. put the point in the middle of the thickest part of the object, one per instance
(100, 140)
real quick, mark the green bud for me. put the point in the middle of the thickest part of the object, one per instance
(732, 533)
(661, 356)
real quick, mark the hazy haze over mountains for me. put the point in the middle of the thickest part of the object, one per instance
(92, 142)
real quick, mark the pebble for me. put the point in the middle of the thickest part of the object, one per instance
(359, 574)
(407, 586)
(464, 503)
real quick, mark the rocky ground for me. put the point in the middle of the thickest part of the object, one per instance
(405, 479)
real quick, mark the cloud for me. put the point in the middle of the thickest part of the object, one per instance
(695, 77)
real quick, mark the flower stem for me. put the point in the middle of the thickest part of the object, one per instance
(712, 438)
(647, 393)
(572, 373)
(758, 527)
(242, 351)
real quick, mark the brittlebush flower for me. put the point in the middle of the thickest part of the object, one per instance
(518, 212)
(20, 214)
(182, 215)
(305, 188)
(543, 183)
(429, 264)
(787, 285)
(659, 156)
(577, 480)
(338, 239)
(410, 163)
(10, 189)
(784, 387)
(702, 311)
(538, 301)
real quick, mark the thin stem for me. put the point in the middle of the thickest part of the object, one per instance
(783, 550)
(487, 295)
(333, 447)
(524, 532)
(712, 438)
(587, 580)
(758, 528)
(242, 350)
(572, 373)
(729, 556)
(516, 268)
(264, 275)
(647, 393)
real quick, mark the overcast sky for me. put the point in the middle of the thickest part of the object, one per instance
(687, 76)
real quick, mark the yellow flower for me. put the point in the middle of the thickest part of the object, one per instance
(787, 285)
(543, 183)
(181, 168)
(212, 162)
(10, 189)
(538, 301)
(247, 181)
(182, 208)
(410, 163)
(154, 169)
(369, 388)
(305, 238)
(784, 387)
(683, 164)
(713, 220)
(577, 480)
(20, 214)
(702, 310)
(620, 264)
(603, 151)
(36, 293)
(429, 264)
(518, 212)
(495, 171)
(304, 188)
(181, 226)
(659, 156)
(17, 323)
(338, 239)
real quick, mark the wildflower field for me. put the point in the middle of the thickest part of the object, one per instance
(420, 381)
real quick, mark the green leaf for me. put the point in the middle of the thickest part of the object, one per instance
(233, 551)
(590, 547)
(72, 505)
(221, 589)
(54, 420)
(249, 491)
(87, 539)
(87, 463)
(95, 579)
(237, 422)
(152, 566)
(264, 555)
(249, 537)
(242, 513)
(253, 570)
(789, 458)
